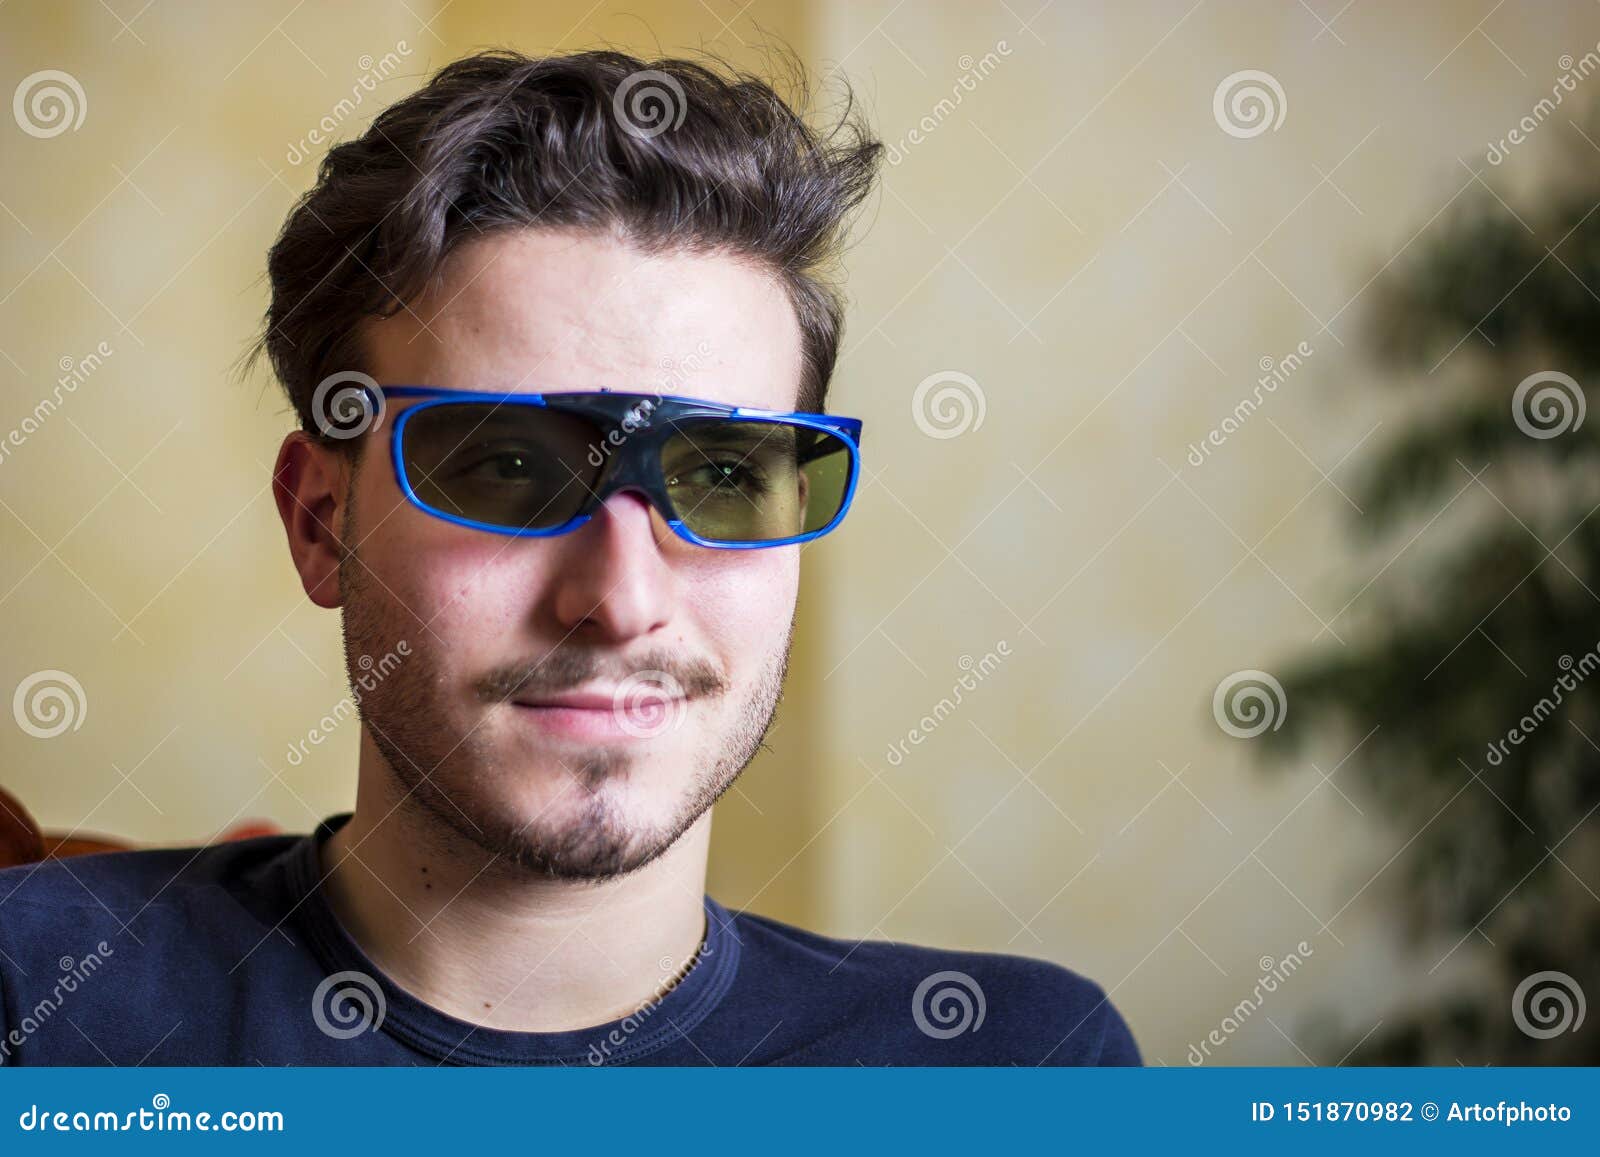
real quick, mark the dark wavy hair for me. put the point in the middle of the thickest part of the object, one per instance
(670, 153)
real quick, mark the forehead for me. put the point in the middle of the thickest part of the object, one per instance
(544, 311)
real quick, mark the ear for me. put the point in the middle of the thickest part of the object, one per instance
(309, 483)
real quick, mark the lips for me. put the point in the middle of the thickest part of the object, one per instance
(580, 700)
(599, 715)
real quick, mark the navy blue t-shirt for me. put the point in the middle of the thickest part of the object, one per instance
(230, 955)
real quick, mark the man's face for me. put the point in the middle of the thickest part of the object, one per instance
(619, 601)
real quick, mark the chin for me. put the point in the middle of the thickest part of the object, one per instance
(575, 829)
(588, 840)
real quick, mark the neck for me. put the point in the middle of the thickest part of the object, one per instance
(503, 949)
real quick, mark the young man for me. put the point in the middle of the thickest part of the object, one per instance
(558, 335)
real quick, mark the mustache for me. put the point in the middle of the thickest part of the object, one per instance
(567, 669)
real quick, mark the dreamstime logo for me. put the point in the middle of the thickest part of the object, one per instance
(48, 103)
(609, 1045)
(948, 1004)
(648, 103)
(47, 703)
(649, 703)
(1572, 71)
(972, 71)
(1247, 703)
(155, 1119)
(1548, 1004)
(675, 372)
(348, 1004)
(637, 418)
(372, 73)
(74, 974)
(1573, 673)
(948, 404)
(1249, 102)
(74, 372)
(372, 673)
(347, 404)
(1273, 375)
(975, 672)
(1551, 411)
(1273, 974)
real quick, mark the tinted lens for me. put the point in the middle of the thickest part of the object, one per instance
(521, 467)
(741, 481)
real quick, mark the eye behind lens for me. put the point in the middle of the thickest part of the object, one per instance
(736, 482)
(511, 466)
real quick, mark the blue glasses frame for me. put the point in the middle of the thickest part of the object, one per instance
(636, 464)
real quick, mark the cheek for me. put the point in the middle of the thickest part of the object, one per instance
(448, 580)
(474, 601)
(458, 588)
(744, 605)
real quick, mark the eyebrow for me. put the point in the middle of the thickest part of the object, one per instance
(726, 431)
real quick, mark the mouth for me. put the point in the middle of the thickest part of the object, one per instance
(600, 715)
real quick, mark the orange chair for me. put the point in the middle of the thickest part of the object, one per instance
(21, 841)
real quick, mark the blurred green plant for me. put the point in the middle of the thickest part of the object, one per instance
(1486, 626)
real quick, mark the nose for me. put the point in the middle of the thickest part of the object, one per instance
(613, 582)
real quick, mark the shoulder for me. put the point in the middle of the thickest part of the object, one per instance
(129, 881)
(170, 928)
(64, 909)
(912, 1004)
